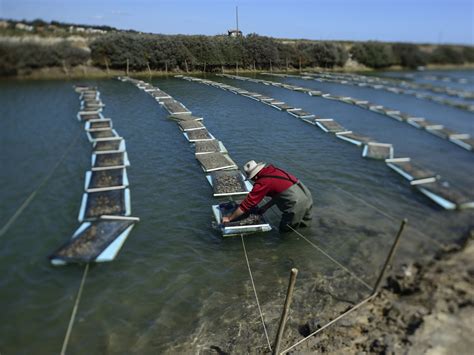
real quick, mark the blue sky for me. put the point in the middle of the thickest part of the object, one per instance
(433, 21)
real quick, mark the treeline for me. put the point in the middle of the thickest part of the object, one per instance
(214, 53)
(16, 57)
(382, 55)
(210, 53)
(258, 52)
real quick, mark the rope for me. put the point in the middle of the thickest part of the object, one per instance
(255, 292)
(332, 259)
(31, 197)
(330, 323)
(329, 256)
(441, 245)
(74, 311)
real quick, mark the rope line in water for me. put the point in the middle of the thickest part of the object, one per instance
(74, 311)
(329, 256)
(387, 215)
(332, 259)
(255, 292)
(31, 197)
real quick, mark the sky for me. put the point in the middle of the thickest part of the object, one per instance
(420, 21)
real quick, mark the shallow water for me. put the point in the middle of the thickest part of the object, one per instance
(176, 284)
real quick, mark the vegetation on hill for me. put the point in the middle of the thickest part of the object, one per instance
(107, 47)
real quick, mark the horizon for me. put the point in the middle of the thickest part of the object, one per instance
(444, 22)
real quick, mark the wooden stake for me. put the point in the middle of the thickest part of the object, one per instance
(107, 65)
(390, 256)
(286, 309)
(186, 64)
(148, 66)
(66, 71)
(271, 67)
(127, 67)
(204, 70)
(300, 64)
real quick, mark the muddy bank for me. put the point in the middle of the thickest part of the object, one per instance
(424, 307)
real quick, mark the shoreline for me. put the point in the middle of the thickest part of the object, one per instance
(425, 307)
(90, 73)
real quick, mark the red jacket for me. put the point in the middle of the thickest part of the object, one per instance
(266, 184)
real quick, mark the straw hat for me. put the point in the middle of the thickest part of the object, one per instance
(251, 168)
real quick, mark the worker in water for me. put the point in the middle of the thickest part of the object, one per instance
(290, 195)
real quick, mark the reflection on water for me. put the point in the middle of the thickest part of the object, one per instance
(177, 285)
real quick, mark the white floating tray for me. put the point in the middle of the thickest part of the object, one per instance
(79, 114)
(199, 140)
(126, 162)
(92, 139)
(87, 125)
(85, 196)
(124, 183)
(238, 230)
(111, 251)
(405, 174)
(222, 149)
(121, 147)
(248, 187)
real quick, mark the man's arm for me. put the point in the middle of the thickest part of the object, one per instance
(236, 214)
(266, 206)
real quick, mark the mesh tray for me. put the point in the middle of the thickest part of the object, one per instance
(199, 134)
(204, 147)
(301, 114)
(91, 240)
(99, 124)
(101, 134)
(89, 116)
(247, 223)
(189, 117)
(378, 151)
(174, 107)
(410, 171)
(107, 160)
(109, 145)
(96, 204)
(106, 179)
(282, 107)
(329, 125)
(190, 125)
(226, 183)
(466, 143)
(215, 161)
(354, 138)
(445, 195)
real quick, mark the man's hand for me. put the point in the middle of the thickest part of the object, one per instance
(261, 210)
(225, 220)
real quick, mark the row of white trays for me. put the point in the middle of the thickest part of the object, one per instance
(105, 208)
(214, 159)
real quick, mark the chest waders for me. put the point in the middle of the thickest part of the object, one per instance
(296, 204)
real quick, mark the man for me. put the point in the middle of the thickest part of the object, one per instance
(286, 191)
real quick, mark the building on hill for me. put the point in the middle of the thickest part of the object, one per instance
(234, 33)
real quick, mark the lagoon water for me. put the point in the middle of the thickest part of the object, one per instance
(177, 285)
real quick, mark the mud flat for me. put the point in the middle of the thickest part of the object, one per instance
(425, 307)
